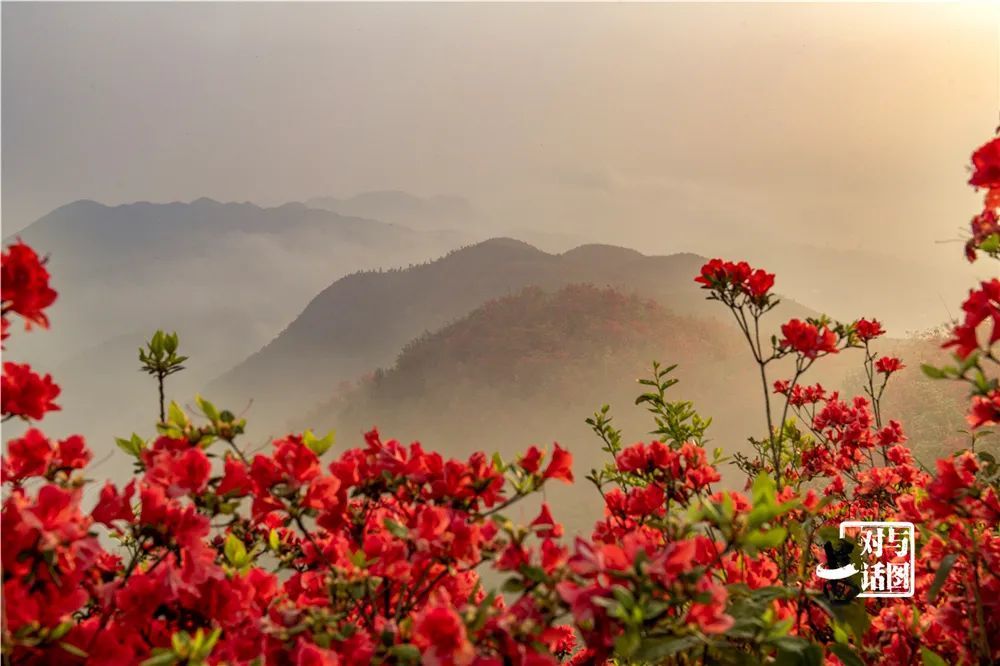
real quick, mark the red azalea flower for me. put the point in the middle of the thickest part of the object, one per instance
(72, 453)
(984, 225)
(888, 365)
(720, 275)
(553, 556)
(713, 274)
(26, 394)
(513, 557)
(953, 475)
(964, 340)
(758, 285)
(24, 283)
(808, 339)
(645, 501)
(982, 305)
(662, 457)
(561, 465)
(296, 460)
(309, 654)
(27, 456)
(440, 634)
(235, 479)
(985, 410)
(986, 165)
(530, 462)
(179, 471)
(324, 495)
(560, 639)
(113, 505)
(632, 458)
(868, 330)
(711, 617)
(548, 527)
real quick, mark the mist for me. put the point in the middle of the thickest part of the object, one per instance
(637, 123)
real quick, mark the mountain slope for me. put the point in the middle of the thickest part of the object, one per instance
(529, 368)
(226, 276)
(362, 321)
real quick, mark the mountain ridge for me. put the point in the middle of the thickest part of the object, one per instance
(363, 320)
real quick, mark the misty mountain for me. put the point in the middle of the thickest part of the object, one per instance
(534, 363)
(226, 276)
(529, 368)
(362, 321)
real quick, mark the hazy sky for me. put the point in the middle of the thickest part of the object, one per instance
(846, 125)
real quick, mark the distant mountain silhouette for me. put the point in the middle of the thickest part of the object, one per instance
(362, 321)
(227, 276)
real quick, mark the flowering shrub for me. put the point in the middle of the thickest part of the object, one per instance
(212, 555)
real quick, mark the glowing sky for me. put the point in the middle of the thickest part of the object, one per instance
(652, 125)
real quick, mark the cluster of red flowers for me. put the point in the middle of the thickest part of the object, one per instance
(371, 558)
(981, 310)
(213, 557)
(866, 472)
(985, 228)
(809, 339)
(26, 394)
(868, 329)
(24, 284)
(683, 471)
(737, 278)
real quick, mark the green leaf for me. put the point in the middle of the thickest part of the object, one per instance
(763, 489)
(991, 244)
(627, 643)
(176, 415)
(207, 408)
(512, 585)
(656, 650)
(236, 552)
(317, 445)
(854, 616)
(846, 655)
(396, 529)
(947, 562)
(132, 446)
(72, 649)
(405, 652)
(623, 595)
(931, 658)
(162, 659)
(209, 643)
(728, 507)
(932, 371)
(797, 651)
(828, 533)
(769, 539)
(536, 574)
(646, 397)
